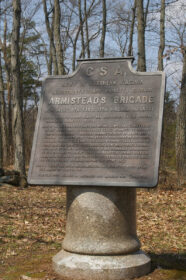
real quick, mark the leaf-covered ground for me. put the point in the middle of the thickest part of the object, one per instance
(32, 227)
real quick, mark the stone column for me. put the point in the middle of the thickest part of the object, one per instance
(101, 241)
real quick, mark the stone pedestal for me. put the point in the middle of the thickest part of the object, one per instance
(101, 241)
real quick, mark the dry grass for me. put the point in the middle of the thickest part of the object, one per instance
(32, 226)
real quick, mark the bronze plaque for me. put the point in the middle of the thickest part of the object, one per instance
(100, 126)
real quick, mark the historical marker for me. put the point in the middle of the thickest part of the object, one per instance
(99, 126)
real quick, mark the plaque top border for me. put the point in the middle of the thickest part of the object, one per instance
(129, 60)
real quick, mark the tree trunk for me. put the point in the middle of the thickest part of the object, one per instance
(3, 117)
(49, 60)
(10, 136)
(51, 38)
(86, 28)
(77, 35)
(104, 25)
(130, 49)
(57, 37)
(74, 50)
(146, 13)
(1, 149)
(1, 141)
(160, 68)
(74, 57)
(141, 37)
(162, 36)
(81, 30)
(7, 65)
(19, 160)
(181, 127)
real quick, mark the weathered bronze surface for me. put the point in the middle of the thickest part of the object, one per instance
(99, 126)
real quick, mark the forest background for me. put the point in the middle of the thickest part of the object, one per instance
(46, 37)
(40, 38)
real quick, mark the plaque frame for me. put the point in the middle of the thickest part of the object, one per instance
(95, 181)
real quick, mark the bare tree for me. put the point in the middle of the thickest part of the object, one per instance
(77, 30)
(181, 127)
(86, 29)
(81, 22)
(161, 68)
(49, 27)
(1, 148)
(104, 26)
(19, 161)
(141, 37)
(57, 38)
(5, 51)
(162, 36)
(130, 48)
(146, 12)
(3, 117)
(1, 133)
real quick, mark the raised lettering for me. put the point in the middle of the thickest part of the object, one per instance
(90, 71)
(103, 71)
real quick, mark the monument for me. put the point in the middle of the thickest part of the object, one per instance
(98, 132)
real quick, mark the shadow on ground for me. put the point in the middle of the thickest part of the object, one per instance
(168, 261)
